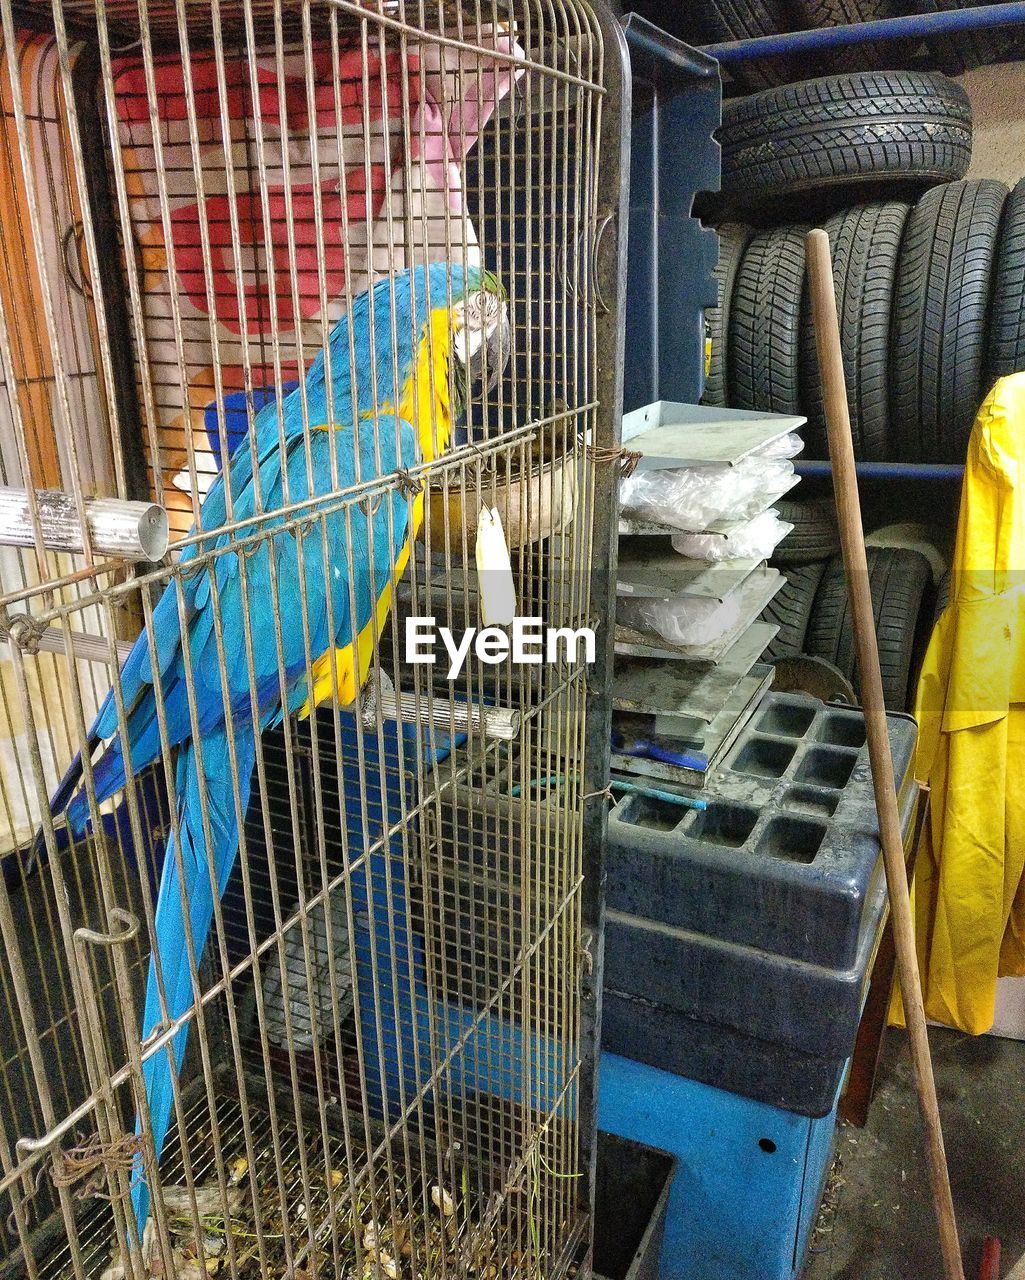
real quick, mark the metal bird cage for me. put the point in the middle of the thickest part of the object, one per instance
(391, 1024)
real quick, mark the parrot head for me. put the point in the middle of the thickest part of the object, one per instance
(479, 316)
(481, 339)
(460, 313)
(408, 322)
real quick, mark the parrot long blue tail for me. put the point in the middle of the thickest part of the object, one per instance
(169, 915)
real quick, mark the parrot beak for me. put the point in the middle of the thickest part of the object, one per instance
(483, 340)
(492, 356)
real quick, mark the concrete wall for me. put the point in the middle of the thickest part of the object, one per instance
(997, 94)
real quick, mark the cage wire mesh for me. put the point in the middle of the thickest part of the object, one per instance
(373, 1058)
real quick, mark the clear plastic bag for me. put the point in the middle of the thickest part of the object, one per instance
(693, 498)
(788, 446)
(690, 621)
(754, 541)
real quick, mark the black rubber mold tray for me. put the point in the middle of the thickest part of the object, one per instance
(786, 854)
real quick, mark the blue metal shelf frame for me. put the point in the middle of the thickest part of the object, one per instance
(889, 470)
(677, 97)
(918, 26)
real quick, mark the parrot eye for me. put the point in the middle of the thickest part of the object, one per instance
(481, 310)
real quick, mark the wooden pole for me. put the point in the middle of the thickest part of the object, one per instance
(852, 539)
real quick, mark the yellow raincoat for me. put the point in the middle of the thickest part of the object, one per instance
(969, 891)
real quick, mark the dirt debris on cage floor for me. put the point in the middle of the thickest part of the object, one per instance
(877, 1220)
(433, 1229)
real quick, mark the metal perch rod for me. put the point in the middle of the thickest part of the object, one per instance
(124, 530)
(84, 645)
(444, 713)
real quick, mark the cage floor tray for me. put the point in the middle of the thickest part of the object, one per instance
(308, 1209)
(671, 435)
(322, 1190)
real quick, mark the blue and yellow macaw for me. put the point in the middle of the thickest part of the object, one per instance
(419, 325)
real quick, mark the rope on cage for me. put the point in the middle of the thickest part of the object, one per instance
(91, 1160)
(602, 456)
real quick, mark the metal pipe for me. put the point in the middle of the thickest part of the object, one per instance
(918, 26)
(448, 714)
(84, 645)
(125, 530)
(889, 470)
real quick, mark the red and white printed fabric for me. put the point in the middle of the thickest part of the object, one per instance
(253, 167)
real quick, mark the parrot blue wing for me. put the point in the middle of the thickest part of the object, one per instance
(345, 540)
(220, 810)
(137, 676)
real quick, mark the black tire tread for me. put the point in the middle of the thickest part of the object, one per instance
(865, 242)
(815, 535)
(872, 126)
(959, 53)
(1007, 313)
(763, 346)
(940, 315)
(733, 239)
(790, 609)
(841, 13)
(899, 580)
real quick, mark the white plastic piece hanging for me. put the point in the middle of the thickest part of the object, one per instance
(494, 571)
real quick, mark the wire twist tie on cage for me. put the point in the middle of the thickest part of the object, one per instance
(408, 485)
(605, 794)
(585, 955)
(29, 1183)
(22, 630)
(33, 637)
(90, 1161)
(602, 456)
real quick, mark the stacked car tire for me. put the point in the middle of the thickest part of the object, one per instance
(929, 274)
(701, 22)
(811, 609)
(929, 271)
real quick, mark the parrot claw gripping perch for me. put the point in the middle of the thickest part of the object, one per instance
(432, 313)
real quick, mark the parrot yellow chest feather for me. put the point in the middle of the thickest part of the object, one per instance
(426, 404)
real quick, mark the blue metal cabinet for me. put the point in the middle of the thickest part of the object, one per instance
(750, 1176)
(677, 103)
